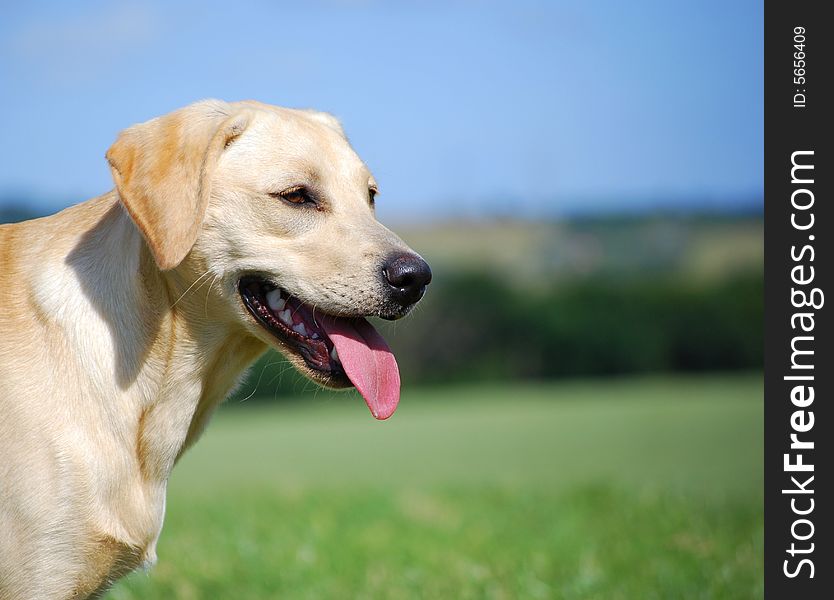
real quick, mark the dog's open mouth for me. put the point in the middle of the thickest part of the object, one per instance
(340, 349)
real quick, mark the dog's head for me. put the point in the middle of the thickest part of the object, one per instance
(274, 208)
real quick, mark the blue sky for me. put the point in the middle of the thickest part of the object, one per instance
(460, 107)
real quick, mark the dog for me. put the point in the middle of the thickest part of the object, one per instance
(126, 319)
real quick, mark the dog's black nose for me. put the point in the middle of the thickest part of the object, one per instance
(407, 276)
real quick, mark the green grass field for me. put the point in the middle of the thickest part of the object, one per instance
(633, 488)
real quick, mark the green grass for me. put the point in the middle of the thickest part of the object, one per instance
(641, 488)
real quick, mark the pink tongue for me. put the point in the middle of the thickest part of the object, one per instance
(368, 362)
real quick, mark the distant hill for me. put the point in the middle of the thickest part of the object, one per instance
(701, 246)
(21, 207)
(15, 213)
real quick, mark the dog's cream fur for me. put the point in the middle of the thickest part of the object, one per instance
(121, 327)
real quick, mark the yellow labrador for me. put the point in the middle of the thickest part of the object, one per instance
(126, 319)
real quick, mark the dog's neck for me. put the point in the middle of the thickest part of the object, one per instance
(170, 361)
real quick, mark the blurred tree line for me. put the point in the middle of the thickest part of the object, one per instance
(473, 326)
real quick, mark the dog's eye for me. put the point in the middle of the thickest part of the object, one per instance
(372, 192)
(295, 195)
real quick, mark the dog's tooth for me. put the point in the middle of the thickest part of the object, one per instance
(300, 329)
(286, 317)
(275, 301)
(334, 354)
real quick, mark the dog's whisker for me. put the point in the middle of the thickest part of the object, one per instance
(258, 383)
(188, 289)
(208, 293)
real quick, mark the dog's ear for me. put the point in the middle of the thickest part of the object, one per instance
(162, 170)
